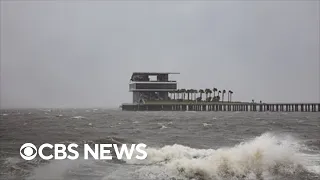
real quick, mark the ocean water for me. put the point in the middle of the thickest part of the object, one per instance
(180, 145)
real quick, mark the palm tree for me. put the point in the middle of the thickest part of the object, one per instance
(210, 92)
(219, 94)
(178, 93)
(201, 91)
(229, 96)
(188, 91)
(195, 94)
(230, 92)
(191, 94)
(223, 92)
(183, 91)
(207, 91)
(214, 92)
(174, 94)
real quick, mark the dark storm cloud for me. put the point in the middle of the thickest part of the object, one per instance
(81, 54)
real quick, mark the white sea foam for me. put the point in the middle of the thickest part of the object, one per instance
(265, 157)
(206, 124)
(162, 126)
(78, 117)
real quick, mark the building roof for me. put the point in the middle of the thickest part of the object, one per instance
(153, 73)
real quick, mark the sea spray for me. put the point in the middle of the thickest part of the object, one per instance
(268, 155)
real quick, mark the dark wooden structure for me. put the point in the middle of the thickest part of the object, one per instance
(202, 106)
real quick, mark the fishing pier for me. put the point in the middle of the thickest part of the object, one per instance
(255, 107)
(154, 95)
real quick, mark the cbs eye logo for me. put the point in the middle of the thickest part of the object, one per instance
(28, 151)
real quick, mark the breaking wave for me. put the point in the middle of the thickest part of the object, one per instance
(264, 157)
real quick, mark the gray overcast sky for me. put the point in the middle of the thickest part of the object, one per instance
(82, 54)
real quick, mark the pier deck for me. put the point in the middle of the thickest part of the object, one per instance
(209, 106)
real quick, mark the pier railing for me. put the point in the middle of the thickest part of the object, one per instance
(255, 107)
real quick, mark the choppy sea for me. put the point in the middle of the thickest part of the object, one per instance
(180, 145)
